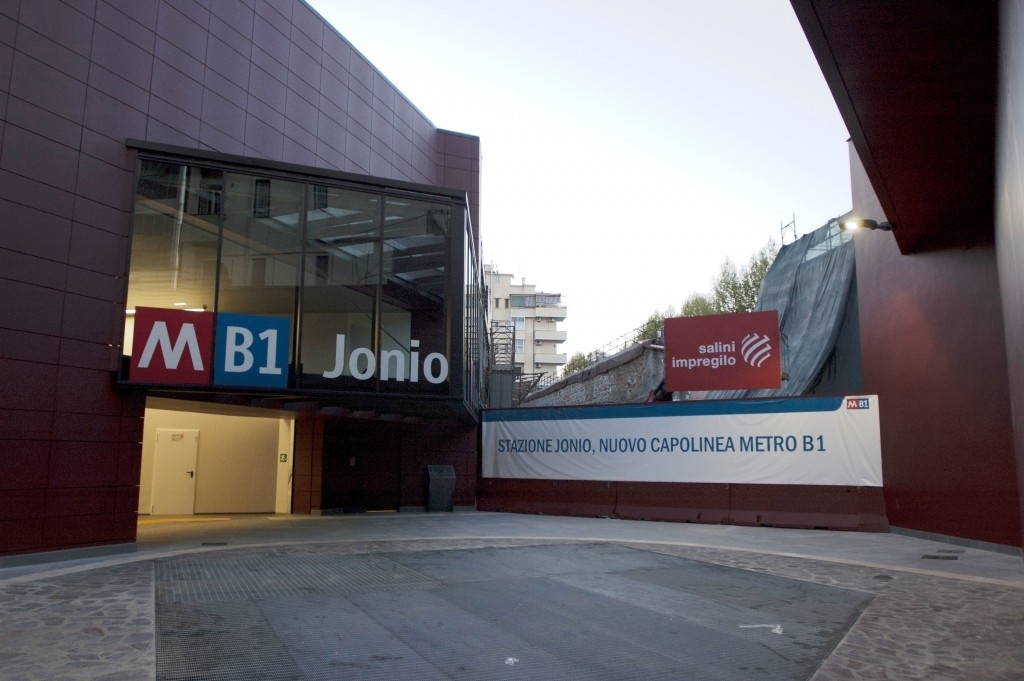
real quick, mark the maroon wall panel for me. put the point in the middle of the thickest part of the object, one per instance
(551, 497)
(933, 350)
(809, 507)
(682, 502)
(307, 458)
(452, 443)
(1010, 218)
(798, 506)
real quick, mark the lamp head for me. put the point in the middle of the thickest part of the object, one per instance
(854, 223)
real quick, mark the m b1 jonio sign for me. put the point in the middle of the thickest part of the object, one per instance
(723, 352)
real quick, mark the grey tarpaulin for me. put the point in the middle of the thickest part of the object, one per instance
(812, 284)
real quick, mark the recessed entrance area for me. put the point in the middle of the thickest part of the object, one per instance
(199, 458)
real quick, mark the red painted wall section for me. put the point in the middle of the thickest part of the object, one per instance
(584, 498)
(461, 168)
(796, 506)
(933, 350)
(692, 503)
(413, 446)
(307, 464)
(452, 443)
(73, 481)
(1010, 215)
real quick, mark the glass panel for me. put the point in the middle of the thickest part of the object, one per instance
(414, 304)
(260, 248)
(471, 319)
(174, 239)
(371, 274)
(259, 261)
(341, 274)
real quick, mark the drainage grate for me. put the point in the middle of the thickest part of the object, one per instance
(220, 641)
(219, 579)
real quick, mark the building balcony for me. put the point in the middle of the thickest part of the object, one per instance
(549, 335)
(549, 358)
(555, 312)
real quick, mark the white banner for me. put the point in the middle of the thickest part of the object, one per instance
(793, 441)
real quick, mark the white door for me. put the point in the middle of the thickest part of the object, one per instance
(174, 471)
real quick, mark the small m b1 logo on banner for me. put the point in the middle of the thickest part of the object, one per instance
(858, 403)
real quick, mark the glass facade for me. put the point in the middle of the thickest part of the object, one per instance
(372, 286)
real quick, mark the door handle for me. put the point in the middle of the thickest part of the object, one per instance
(190, 473)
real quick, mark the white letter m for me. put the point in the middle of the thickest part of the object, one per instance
(159, 336)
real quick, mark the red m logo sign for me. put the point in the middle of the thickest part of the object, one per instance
(172, 346)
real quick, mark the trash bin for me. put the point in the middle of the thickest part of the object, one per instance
(441, 492)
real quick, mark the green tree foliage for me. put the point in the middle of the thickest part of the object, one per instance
(732, 289)
(577, 362)
(649, 329)
(698, 304)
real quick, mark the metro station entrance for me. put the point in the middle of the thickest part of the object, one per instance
(202, 458)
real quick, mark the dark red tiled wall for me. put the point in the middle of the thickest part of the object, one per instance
(461, 160)
(419, 445)
(307, 467)
(260, 78)
(450, 443)
(1010, 218)
(797, 506)
(933, 350)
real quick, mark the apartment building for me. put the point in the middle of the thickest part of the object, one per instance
(533, 316)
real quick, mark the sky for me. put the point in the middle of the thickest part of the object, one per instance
(628, 148)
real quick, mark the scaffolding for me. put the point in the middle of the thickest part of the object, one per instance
(508, 386)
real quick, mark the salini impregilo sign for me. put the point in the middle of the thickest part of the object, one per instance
(723, 352)
(794, 441)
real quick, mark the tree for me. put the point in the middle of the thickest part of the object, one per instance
(734, 290)
(578, 362)
(650, 328)
(698, 304)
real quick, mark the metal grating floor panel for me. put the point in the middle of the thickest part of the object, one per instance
(230, 578)
(577, 611)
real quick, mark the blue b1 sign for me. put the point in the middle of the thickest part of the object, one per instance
(252, 351)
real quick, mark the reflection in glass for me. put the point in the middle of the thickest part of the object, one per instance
(174, 239)
(367, 268)
(414, 310)
(340, 276)
(473, 319)
(260, 250)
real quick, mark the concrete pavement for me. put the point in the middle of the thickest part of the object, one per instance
(365, 596)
